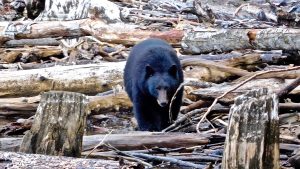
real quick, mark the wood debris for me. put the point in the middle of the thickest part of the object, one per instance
(227, 48)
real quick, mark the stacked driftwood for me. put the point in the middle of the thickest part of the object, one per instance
(227, 49)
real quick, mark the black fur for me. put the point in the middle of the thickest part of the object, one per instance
(153, 66)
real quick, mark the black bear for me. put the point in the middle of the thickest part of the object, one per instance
(152, 75)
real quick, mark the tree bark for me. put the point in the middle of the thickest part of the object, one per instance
(132, 141)
(10, 55)
(217, 90)
(205, 41)
(192, 41)
(140, 140)
(88, 79)
(252, 139)
(58, 126)
(113, 33)
(21, 160)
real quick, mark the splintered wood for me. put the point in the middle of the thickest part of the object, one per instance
(252, 139)
(58, 126)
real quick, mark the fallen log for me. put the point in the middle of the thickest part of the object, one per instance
(22, 160)
(13, 144)
(88, 79)
(132, 141)
(119, 100)
(222, 67)
(217, 90)
(26, 66)
(112, 102)
(10, 55)
(221, 40)
(113, 33)
(142, 140)
(192, 41)
(32, 42)
(104, 10)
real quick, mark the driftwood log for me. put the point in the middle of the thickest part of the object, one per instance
(204, 41)
(114, 101)
(113, 33)
(252, 140)
(21, 160)
(105, 10)
(92, 78)
(217, 90)
(58, 126)
(142, 140)
(13, 144)
(10, 55)
(192, 41)
(131, 141)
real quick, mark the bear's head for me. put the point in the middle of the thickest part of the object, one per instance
(162, 84)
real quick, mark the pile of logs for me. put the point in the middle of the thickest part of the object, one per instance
(61, 84)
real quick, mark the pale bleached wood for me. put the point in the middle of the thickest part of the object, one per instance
(100, 104)
(21, 160)
(192, 40)
(252, 139)
(273, 84)
(58, 126)
(12, 144)
(91, 78)
(9, 55)
(88, 79)
(140, 140)
(72, 10)
(122, 33)
(219, 89)
(208, 40)
(131, 141)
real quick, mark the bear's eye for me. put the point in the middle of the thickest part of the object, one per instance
(149, 71)
(173, 70)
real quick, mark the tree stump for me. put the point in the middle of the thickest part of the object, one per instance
(252, 139)
(58, 126)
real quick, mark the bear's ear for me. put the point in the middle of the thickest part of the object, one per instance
(149, 71)
(173, 70)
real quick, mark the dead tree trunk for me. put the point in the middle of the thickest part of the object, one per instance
(252, 139)
(58, 126)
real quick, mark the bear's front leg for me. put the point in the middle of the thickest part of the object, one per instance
(144, 119)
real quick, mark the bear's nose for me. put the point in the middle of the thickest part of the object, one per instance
(163, 104)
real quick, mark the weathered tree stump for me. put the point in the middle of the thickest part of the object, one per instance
(252, 139)
(58, 126)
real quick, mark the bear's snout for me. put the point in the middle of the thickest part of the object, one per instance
(162, 98)
(162, 104)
